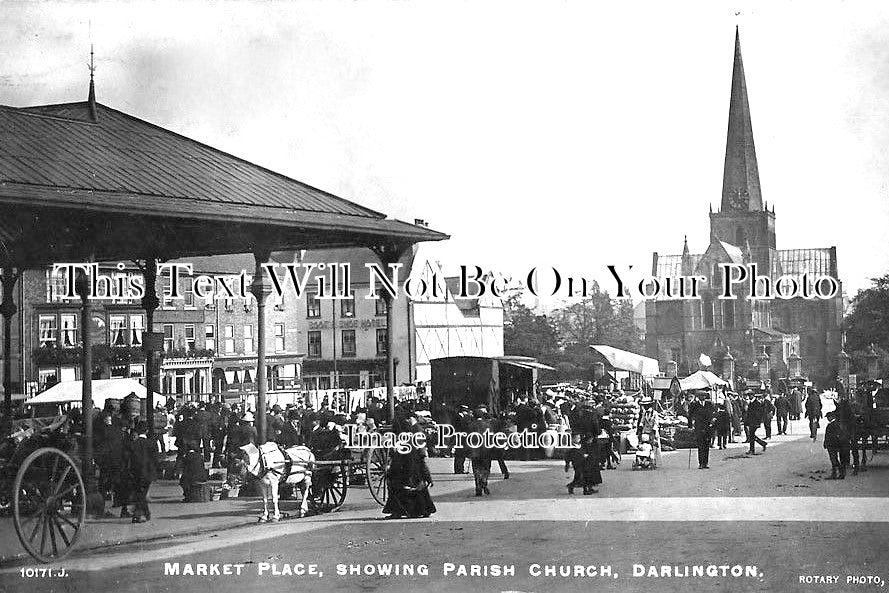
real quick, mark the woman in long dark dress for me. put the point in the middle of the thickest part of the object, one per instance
(409, 482)
(589, 448)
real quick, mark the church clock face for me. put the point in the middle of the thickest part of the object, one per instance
(739, 200)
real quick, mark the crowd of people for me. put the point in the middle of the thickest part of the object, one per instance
(211, 434)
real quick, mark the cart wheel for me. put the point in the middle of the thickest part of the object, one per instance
(48, 504)
(377, 470)
(329, 486)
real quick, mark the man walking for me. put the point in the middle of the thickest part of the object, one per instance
(782, 411)
(813, 413)
(752, 419)
(481, 455)
(700, 418)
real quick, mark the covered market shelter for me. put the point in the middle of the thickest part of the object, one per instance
(82, 182)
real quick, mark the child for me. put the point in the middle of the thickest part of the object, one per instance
(723, 426)
(143, 466)
(836, 441)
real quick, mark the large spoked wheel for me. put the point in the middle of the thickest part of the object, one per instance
(329, 486)
(48, 504)
(377, 470)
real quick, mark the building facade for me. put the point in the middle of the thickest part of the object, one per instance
(210, 345)
(743, 232)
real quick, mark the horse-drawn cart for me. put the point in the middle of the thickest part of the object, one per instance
(42, 489)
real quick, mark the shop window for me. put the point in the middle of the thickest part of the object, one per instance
(47, 378)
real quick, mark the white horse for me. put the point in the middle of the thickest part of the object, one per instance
(271, 465)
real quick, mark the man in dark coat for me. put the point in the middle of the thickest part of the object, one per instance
(813, 413)
(837, 443)
(480, 456)
(143, 467)
(461, 424)
(752, 419)
(782, 412)
(700, 418)
(525, 419)
(114, 445)
(588, 429)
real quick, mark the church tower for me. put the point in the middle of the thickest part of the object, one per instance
(742, 218)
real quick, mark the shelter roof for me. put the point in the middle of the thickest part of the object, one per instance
(58, 167)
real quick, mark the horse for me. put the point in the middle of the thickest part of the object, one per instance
(270, 465)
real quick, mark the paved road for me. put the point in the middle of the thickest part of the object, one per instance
(772, 515)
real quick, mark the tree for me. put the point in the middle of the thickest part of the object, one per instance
(868, 323)
(526, 333)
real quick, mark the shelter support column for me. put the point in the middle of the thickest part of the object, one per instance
(150, 303)
(95, 503)
(390, 354)
(260, 289)
(389, 255)
(8, 309)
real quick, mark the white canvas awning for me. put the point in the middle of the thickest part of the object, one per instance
(628, 361)
(700, 380)
(72, 392)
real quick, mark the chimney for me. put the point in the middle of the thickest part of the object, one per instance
(421, 222)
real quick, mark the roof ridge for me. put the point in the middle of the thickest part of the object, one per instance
(27, 111)
(242, 160)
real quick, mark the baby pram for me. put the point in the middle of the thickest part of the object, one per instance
(645, 455)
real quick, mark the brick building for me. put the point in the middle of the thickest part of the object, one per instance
(742, 231)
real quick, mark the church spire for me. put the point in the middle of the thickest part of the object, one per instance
(740, 180)
(91, 99)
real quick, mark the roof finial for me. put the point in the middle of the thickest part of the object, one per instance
(91, 100)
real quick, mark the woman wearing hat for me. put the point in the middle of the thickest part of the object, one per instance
(409, 480)
(649, 423)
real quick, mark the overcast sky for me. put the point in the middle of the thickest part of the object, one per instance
(565, 133)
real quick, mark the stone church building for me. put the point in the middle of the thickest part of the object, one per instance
(742, 232)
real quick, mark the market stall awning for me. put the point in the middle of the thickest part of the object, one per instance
(71, 392)
(700, 380)
(627, 361)
(524, 362)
